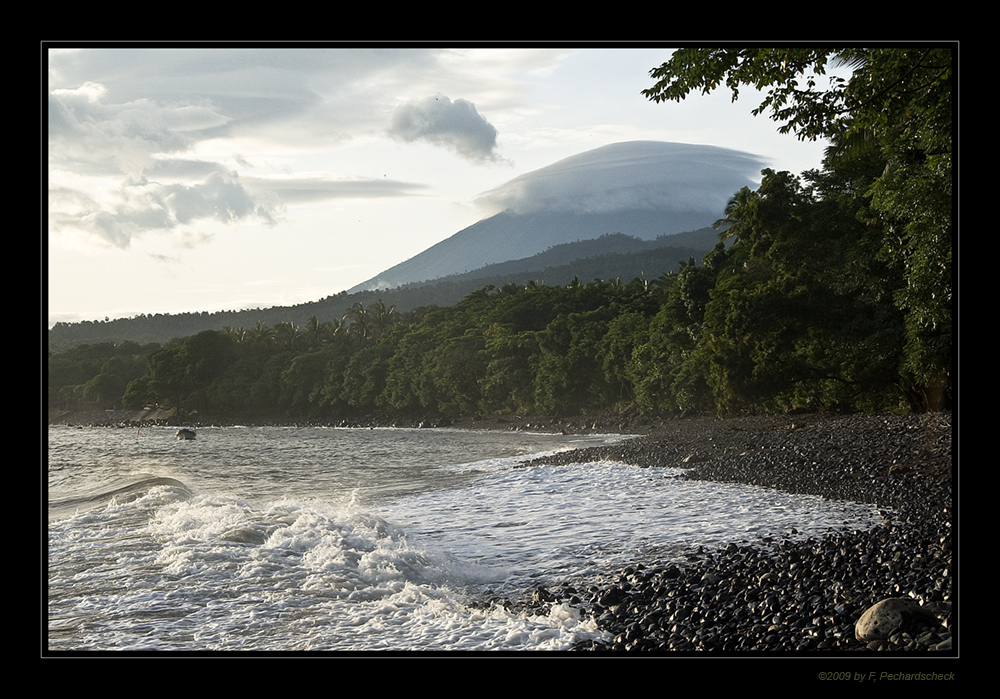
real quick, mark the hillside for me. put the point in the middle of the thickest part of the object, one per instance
(512, 237)
(609, 257)
(622, 211)
(589, 256)
(642, 189)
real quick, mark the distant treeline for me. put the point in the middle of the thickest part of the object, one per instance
(835, 294)
(610, 256)
(809, 307)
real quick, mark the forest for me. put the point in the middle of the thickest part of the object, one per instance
(828, 291)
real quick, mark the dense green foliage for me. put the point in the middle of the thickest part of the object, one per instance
(798, 313)
(835, 293)
(893, 117)
(96, 374)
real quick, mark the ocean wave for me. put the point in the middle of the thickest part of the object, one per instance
(170, 489)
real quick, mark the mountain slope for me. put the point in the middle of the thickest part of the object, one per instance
(553, 224)
(643, 189)
(610, 257)
(584, 256)
(507, 236)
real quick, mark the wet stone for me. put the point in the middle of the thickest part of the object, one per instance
(787, 594)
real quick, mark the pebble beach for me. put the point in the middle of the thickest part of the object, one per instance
(789, 594)
(785, 594)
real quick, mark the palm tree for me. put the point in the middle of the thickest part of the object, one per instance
(728, 226)
(360, 322)
(661, 285)
(382, 317)
(367, 324)
(261, 332)
(316, 333)
(286, 334)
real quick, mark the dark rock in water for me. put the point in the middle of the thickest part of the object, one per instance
(185, 433)
(245, 535)
(542, 595)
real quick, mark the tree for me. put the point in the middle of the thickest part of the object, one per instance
(568, 375)
(507, 383)
(360, 323)
(665, 369)
(802, 315)
(286, 334)
(181, 372)
(886, 87)
(897, 103)
(316, 333)
(261, 333)
(456, 372)
(616, 351)
(104, 388)
(382, 316)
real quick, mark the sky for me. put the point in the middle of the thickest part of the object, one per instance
(209, 178)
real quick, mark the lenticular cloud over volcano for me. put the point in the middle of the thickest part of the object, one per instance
(642, 189)
(635, 175)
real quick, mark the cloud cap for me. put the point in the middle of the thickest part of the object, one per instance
(633, 175)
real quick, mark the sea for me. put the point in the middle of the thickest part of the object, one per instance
(375, 541)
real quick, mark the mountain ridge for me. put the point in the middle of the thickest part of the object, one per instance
(614, 256)
(644, 189)
(619, 211)
(582, 251)
(502, 238)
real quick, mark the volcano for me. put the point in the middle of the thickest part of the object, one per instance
(642, 189)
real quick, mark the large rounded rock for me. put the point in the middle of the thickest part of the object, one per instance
(884, 618)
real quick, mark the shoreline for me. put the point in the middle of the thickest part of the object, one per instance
(151, 417)
(787, 595)
(784, 595)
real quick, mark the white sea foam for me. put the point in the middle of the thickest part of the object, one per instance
(307, 543)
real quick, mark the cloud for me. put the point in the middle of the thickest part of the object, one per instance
(456, 125)
(124, 145)
(136, 136)
(91, 134)
(319, 188)
(149, 206)
(220, 196)
(643, 175)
